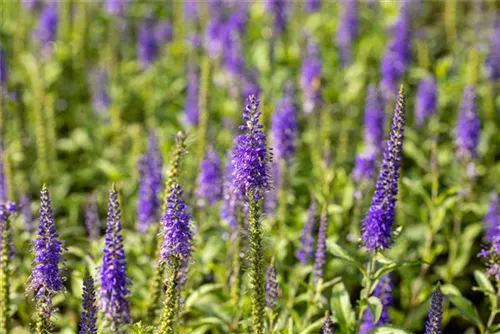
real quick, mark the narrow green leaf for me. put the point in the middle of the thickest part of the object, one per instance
(466, 309)
(485, 284)
(388, 329)
(342, 307)
(375, 306)
(338, 252)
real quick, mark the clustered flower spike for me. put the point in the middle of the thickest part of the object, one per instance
(271, 286)
(493, 60)
(468, 125)
(320, 256)
(279, 10)
(92, 222)
(209, 188)
(492, 218)
(383, 291)
(398, 53)
(150, 174)
(435, 318)
(377, 225)
(426, 102)
(327, 327)
(45, 278)
(284, 127)
(374, 120)
(47, 24)
(114, 289)
(88, 321)
(3, 68)
(310, 78)
(178, 236)
(348, 30)
(191, 108)
(306, 250)
(147, 44)
(251, 156)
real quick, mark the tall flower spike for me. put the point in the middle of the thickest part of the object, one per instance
(468, 125)
(45, 279)
(320, 256)
(377, 225)
(251, 157)
(147, 45)
(492, 218)
(426, 102)
(384, 292)
(327, 327)
(3, 68)
(313, 5)
(163, 32)
(92, 222)
(493, 60)
(114, 289)
(88, 320)
(271, 286)
(209, 185)
(306, 250)
(348, 30)
(279, 10)
(284, 127)
(433, 324)
(178, 236)
(310, 78)
(374, 120)
(191, 108)
(364, 166)
(47, 24)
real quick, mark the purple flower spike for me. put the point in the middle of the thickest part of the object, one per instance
(147, 44)
(271, 286)
(306, 250)
(279, 11)
(163, 32)
(383, 291)
(320, 256)
(310, 79)
(3, 182)
(348, 31)
(493, 60)
(88, 321)
(468, 125)
(426, 100)
(92, 222)
(27, 213)
(364, 167)
(3, 68)
(374, 121)
(284, 127)
(45, 279)
(114, 289)
(433, 324)
(327, 327)
(177, 244)
(191, 108)
(377, 225)
(101, 99)
(115, 7)
(313, 5)
(252, 157)
(209, 188)
(231, 199)
(492, 218)
(46, 30)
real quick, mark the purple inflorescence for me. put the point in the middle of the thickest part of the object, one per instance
(493, 60)
(492, 218)
(364, 166)
(191, 108)
(150, 173)
(284, 127)
(374, 121)
(101, 99)
(397, 53)
(310, 79)
(3, 68)
(114, 289)
(468, 125)
(46, 30)
(271, 286)
(320, 256)
(313, 5)
(92, 222)
(383, 291)
(327, 327)
(27, 213)
(377, 225)
(306, 250)
(209, 185)
(279, 10)
(163, 32)
(147, 44)
(426, 102)
(45, 278)
(177, 244)
(435, 318)
(115, 7)
(348, 30)
(251, 156)
(88, 321)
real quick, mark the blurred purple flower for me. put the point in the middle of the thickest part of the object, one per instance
(191, 108)
(320, 255)
(191, 9)
(252, 156)
(88, 320)
(364, 166)
(383, 291)
(310, 78)
(377, 225)
(426, 102)
(115, 7)
(492, 218)
(493, 59)
(209, 184)
(147, 44)
(306, 250)
(92, 222)
(279, 10)
(348, 30)
(163, 32)
(374, 121)
(46, 31)
(327, 327)
(114, 289)
(251, 83)
(435, 318)
(45, 278)
(3, 68)
(284, 127)
(271, 196)
(313, 5)
(271, 286)
(28, 217)
(100, 91)
(468, 125)
(177, 244)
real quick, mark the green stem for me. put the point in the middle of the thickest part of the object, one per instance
(171, 305)
(366, 292)
(257, 270)
(236, 266)
(4, 277)
(494, 311)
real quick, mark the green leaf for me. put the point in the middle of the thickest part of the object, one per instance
(342, 308)
(313, 328)
(466, 309)
(485, 284)
(375, 306)
(338, 252)
(388, 329)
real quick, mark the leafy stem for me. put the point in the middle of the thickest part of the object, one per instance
(365, 293)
